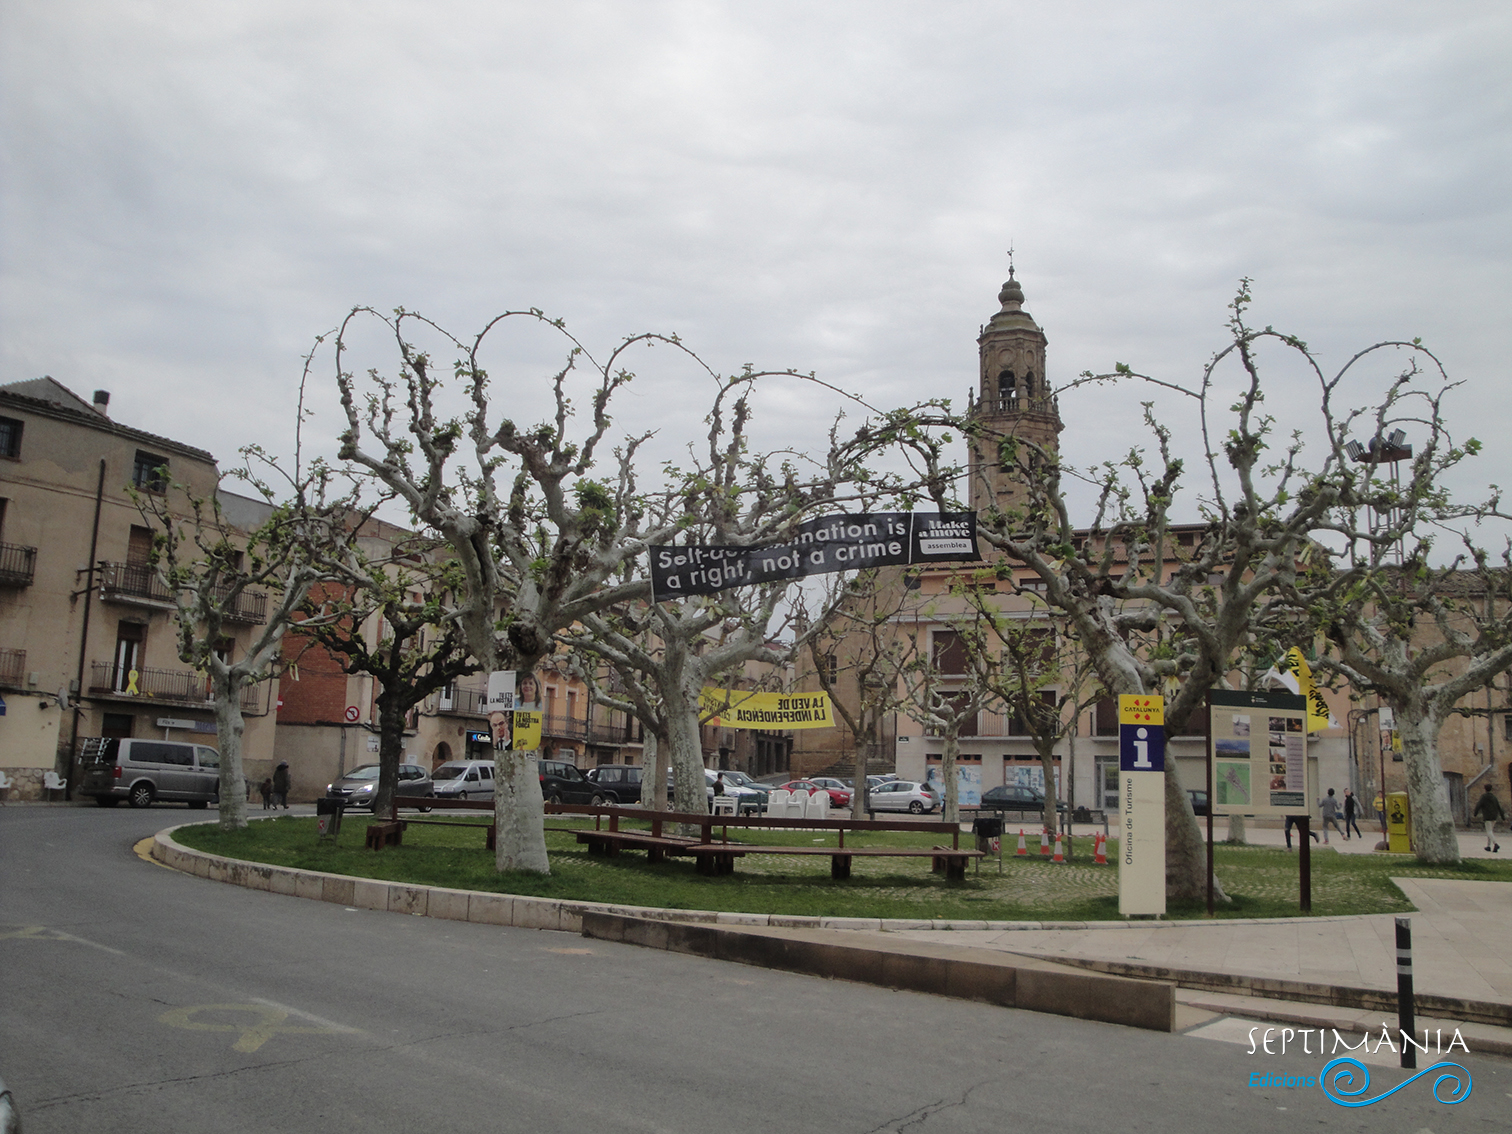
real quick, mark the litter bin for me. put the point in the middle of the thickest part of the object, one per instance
(328, 817)
(1398, 823)
(986, 828)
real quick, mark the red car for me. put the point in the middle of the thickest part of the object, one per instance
(840, 795)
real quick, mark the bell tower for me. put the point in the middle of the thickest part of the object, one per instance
(1012, 398)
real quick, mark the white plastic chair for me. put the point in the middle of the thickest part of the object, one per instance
(51, 781)
(797, 804)
(818, 805)
(724, 805)
(777, 803)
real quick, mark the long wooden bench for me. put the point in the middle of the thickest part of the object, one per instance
(390, 832)
(713, 856)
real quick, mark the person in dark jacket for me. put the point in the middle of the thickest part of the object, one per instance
(1351, 809)
(1488, 809)
(281, 786)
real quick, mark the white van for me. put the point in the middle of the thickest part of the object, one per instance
(464, 779)
(144, 772)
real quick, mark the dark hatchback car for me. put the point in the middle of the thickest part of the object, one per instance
(615, 784)
(561, 782)
(1016, 797)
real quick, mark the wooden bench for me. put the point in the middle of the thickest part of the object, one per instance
(390, 832)
(719, 858)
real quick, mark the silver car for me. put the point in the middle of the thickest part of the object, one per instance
(358, 787)
(464, 779)
(902, 795)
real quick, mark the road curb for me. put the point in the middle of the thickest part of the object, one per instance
(960, 972)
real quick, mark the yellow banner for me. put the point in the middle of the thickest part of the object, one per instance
(527, 731)
(1317, 708)
(740, 708)
(1141, 708)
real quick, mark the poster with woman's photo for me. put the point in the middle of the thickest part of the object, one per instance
(513, 705)
(527, 712)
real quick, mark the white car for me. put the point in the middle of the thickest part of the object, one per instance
(902, 795)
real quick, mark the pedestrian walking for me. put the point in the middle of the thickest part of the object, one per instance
(1329, 807)
(1291, 821)
(1351, 809)
(1488, 809)
(281, 786)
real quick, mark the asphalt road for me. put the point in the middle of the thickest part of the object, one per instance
(135, 999)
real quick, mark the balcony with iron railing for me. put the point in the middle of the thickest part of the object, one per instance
(18, 565)
(138, 584)
(455, 701)
(162, 686)
(12, 668)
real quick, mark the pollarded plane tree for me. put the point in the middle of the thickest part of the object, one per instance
(389, 616)
(214, 573)
(1401, 600)
(542, 543)
(1043, 680)
(666, 652)
(1198, 610)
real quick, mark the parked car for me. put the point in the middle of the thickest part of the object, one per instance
(616, 784)
(464, 779)
(902, 795)
(1199, 801)
(359, 786)
(1016, 797)
(884, 778)
(839, 796)
(750, 797)
(561, 782)
(144, 772)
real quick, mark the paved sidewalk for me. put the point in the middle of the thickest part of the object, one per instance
(1461, 936)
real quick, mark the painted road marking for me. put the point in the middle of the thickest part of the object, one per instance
(266, 1022)
(44, 933)
(143, 851)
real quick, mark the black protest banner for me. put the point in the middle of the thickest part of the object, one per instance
(832, 543)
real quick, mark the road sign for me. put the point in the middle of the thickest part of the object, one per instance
(353, 714)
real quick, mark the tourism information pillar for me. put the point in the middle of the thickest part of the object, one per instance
(1141, 805)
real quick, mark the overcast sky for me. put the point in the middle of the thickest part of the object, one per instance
(193, 191)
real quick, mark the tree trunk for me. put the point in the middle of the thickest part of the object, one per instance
(1236, 835)
(653, 778)
(520, 842)
(950, 810)
(1186, 849)
(689, 787)
(228, 729)
(1433, 836)
(390, 750)
(1052, 796)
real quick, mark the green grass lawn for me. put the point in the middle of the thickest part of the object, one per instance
(1261, 880)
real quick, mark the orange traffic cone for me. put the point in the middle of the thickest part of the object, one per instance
(1060, 855)
(1022, 849)
(1101, 851)
(1045, 841)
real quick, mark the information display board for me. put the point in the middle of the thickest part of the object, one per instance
(1258, 752)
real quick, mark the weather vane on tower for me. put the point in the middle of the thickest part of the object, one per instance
(1010, 259)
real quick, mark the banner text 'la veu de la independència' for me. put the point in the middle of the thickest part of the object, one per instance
(833, 543)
